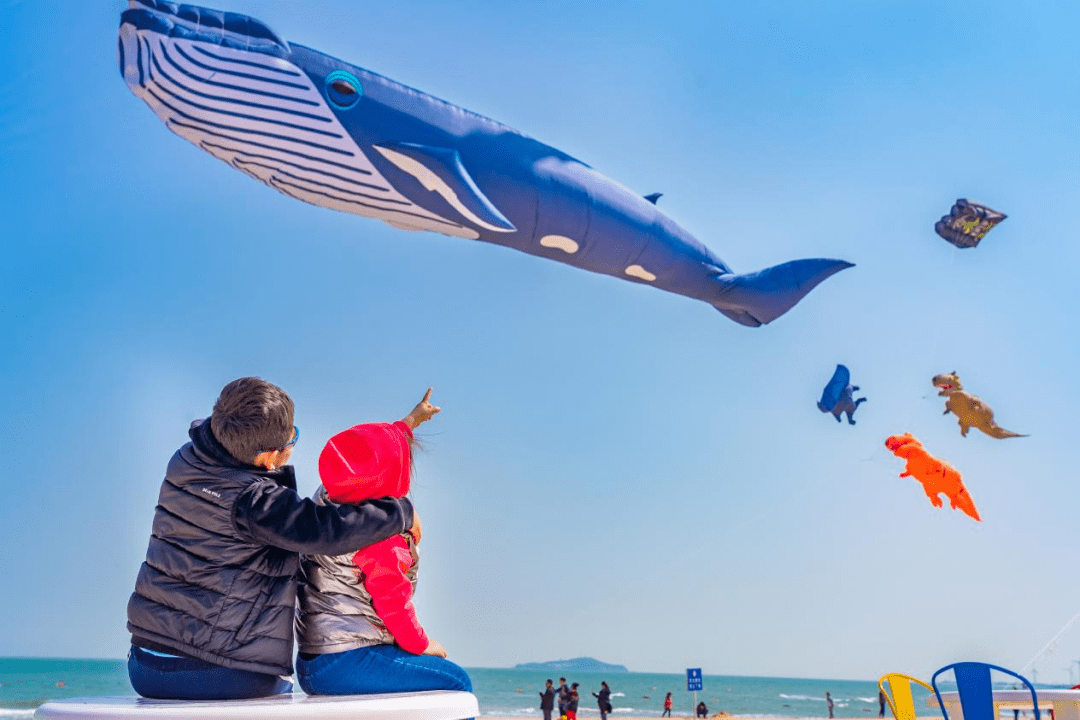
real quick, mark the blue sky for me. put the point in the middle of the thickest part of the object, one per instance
(618, 472)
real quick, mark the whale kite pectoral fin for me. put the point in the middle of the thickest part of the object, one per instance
(440, 171)
(654, 197)
(758, 298)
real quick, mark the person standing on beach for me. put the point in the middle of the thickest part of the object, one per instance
(564, 697)
(572, 705)
(547, 700)
(667, 706)
(881, 703)
(603, 700)
(828, 700)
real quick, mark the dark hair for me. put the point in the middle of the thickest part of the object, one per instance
(549, 681)
(252, 416)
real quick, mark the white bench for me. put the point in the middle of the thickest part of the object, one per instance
(433, 705)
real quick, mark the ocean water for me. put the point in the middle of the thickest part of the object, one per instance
(516, 693)
(26, 683)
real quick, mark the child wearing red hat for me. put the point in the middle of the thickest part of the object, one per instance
(356, 625)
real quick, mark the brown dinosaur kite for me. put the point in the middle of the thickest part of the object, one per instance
(969, 410)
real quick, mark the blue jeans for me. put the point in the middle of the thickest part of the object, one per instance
(378, 669)
(168, 677)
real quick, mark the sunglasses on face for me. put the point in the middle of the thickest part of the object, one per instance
(286, 446)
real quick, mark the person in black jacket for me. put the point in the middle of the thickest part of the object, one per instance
(564, 696)
(572, 705)
(547, 700)
(603, 700)
(212, 614)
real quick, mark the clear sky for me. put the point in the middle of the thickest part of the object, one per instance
(617, 472)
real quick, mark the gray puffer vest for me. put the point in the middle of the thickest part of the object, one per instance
(335, 612)
(205, 590)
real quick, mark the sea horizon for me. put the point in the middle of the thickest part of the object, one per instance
(98, 658)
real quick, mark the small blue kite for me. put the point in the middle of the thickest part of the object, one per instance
(839, 396)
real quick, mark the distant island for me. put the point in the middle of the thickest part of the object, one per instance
(581, 664)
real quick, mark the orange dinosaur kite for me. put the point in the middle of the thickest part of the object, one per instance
(936, 476)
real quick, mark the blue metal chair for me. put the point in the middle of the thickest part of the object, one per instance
(976, 690)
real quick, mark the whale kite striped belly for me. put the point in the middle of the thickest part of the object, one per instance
(335, 135)
(266, 118)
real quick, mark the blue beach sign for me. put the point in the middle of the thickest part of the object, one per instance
(693, 679)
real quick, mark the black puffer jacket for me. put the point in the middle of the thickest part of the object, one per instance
(219, 580)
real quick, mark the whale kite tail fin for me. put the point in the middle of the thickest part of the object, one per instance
(758, 298)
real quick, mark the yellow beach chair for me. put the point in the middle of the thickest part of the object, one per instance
(898, 694)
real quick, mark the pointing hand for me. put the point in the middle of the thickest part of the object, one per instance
(423, 412)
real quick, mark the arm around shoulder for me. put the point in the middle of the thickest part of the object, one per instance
(270, 514)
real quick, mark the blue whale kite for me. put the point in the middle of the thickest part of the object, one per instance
(335, 135)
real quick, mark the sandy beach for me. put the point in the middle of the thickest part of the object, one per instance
(725, 716)
(611, 716)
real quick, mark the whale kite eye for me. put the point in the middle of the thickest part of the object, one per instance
(343, 89)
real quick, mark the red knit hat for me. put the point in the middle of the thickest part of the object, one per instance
(365, 462)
